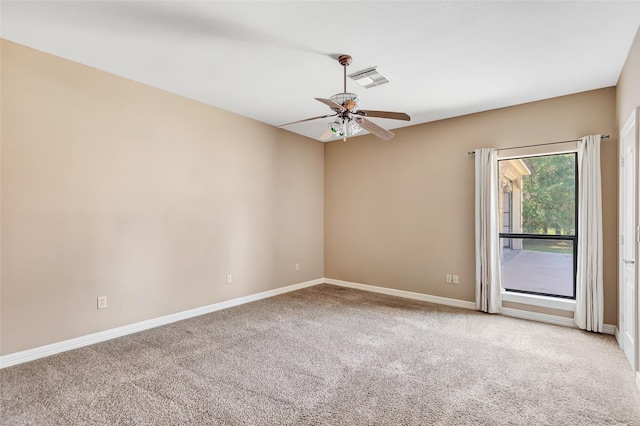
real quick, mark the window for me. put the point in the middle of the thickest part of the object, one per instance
(538, 222)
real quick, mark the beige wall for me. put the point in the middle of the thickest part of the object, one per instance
(400, 214)
(111, 187)
(628, 88)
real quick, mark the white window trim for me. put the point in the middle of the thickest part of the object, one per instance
(541, 301)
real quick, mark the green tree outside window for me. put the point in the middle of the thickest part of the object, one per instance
(549, 195)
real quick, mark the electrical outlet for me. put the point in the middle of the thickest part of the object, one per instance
(229, 279)
(447, 278)
(456, 279)
(102, 302)
(297, 266)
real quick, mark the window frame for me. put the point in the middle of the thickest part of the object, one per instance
(573, 237)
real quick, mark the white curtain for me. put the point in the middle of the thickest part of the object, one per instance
(488, 286)
(589, 313)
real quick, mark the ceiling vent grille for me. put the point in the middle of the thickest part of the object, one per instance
(370, 77)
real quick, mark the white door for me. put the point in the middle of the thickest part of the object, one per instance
(628, 240)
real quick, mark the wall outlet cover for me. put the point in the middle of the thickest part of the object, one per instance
(102, 302)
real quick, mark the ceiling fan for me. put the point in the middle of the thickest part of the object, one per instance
(349, 119)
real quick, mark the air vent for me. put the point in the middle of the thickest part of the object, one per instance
(370, 77)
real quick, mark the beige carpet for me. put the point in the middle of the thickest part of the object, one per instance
(332, 356)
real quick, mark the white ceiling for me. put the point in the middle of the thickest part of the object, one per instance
(267, 60)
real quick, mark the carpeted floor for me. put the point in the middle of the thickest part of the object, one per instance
(328, 355)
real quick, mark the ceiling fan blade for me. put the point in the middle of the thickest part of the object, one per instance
(307, 119)
(374, 128)
(334, 106)
(326, 135)
(384, 114)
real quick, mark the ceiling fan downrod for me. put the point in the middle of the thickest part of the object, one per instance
(345, 61)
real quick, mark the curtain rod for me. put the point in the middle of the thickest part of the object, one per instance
(538, 144)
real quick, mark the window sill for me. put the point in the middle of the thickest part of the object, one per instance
(541, 301)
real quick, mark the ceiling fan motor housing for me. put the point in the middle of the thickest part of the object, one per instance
(350, 101)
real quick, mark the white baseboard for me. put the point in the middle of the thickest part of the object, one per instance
(551, 319)
(609, 329)
(536, 316)
(516, 313)
(78, 342)
(638, 379)
(405, 294)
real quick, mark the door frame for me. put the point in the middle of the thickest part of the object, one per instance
(634, 119)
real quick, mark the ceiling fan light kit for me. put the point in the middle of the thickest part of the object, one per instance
(349, 119)
(341, 126)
